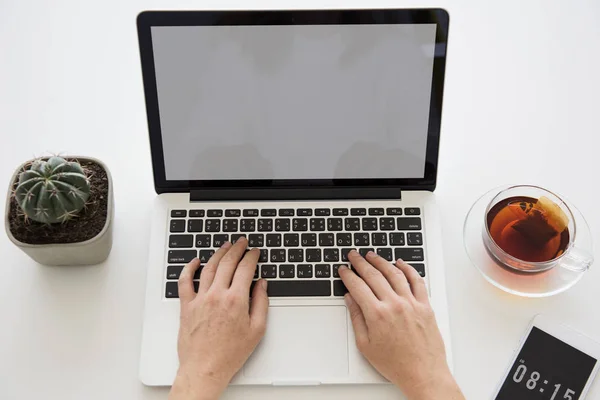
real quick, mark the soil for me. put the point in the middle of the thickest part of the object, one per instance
(87, 225)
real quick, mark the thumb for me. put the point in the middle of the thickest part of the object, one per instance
(259, 307)
(358, 319)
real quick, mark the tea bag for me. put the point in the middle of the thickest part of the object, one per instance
(545, 219)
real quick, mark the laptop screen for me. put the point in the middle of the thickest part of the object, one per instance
(294, 102)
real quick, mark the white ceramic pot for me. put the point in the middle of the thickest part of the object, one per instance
(92, 251)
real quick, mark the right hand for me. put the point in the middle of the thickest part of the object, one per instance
(395, 327)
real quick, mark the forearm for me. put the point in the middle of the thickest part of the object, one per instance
(442, 387)
(188, 386)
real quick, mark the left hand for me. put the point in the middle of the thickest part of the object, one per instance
(220, 327)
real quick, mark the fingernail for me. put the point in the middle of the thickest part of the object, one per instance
(226, 245)
(263, 283)
(370, 253)
(348, 300)
(341, 267)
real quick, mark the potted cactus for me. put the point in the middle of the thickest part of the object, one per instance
(59, 211)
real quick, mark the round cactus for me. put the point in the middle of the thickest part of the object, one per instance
(52, 191)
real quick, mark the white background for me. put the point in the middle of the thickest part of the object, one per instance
(521, 106)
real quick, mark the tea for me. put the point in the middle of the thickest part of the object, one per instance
(529, 229)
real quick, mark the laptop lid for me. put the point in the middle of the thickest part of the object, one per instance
(294, 104)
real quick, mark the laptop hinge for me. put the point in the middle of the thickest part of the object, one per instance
(304, 193)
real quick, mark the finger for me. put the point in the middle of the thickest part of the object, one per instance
(259, 307)
(358, 319)
(208, 272)
(376, 281)
(229, 263)
(242, 279)
(186, 281)
(360, 291)
(392, 274)
(417, 284)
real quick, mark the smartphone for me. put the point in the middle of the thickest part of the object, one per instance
(553, 362)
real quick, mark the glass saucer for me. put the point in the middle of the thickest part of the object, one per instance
(542, 284)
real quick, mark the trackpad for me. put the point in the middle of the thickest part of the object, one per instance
(302, 344)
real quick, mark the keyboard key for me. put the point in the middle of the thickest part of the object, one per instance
(363, 251)
(181, 241)
(265, 225)
(358, 211)
(376, 211)
(387, 224)
(309, 239)
(291, 240)
(214, 213)
(172, 290)
(379, 239)
(313, 255)
(409, 224)
(322, 271)
(345, 252)
(300, 225)
(202, 240)
(230, 225)
(352, 224)
(181, 256)
(339, 289)
(295, 255)
(219, 240)
(331, 255)
(236, 236)
(369, 224)
(178, 213)
(268, 271)
(286, 212)
(205, 255)
(195, 225)
(213, 225)
(412, 211)
(282, 224)
(177, 225)
(268, 212)
(264, 256)
(298, 288)
(256, 240)
(420, 269)
(233, 213)
(397, 239)
(304, 212)
(342, 212)
(252, 212)
(274, 240)
(336, 269)
(409, 254)
(277, 255)
(322, 212)
(335, 224)
(317, 224)
(286, 271)
(173, 272)
(196, 213)
(305, 271)
(343, 239)
(361, 239)
(247, 225)
(385, 253)
(393, 211)
(414, 239)
(326, 239)
(255, 273)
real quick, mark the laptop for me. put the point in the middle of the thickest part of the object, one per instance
(310, 133)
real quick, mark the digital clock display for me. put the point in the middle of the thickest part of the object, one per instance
(547, 369)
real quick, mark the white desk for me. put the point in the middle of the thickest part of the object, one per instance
(521, 105)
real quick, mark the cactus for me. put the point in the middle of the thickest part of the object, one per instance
(52, 191)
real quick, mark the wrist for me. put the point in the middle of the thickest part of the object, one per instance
(440, 385)
(196, 386)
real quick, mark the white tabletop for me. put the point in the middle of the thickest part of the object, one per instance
(520, 106)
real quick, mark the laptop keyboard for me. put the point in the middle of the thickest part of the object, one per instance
(301, 249)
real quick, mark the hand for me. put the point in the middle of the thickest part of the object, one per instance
(395, 327)
(219, 326)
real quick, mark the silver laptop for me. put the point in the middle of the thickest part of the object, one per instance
(309, 132)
